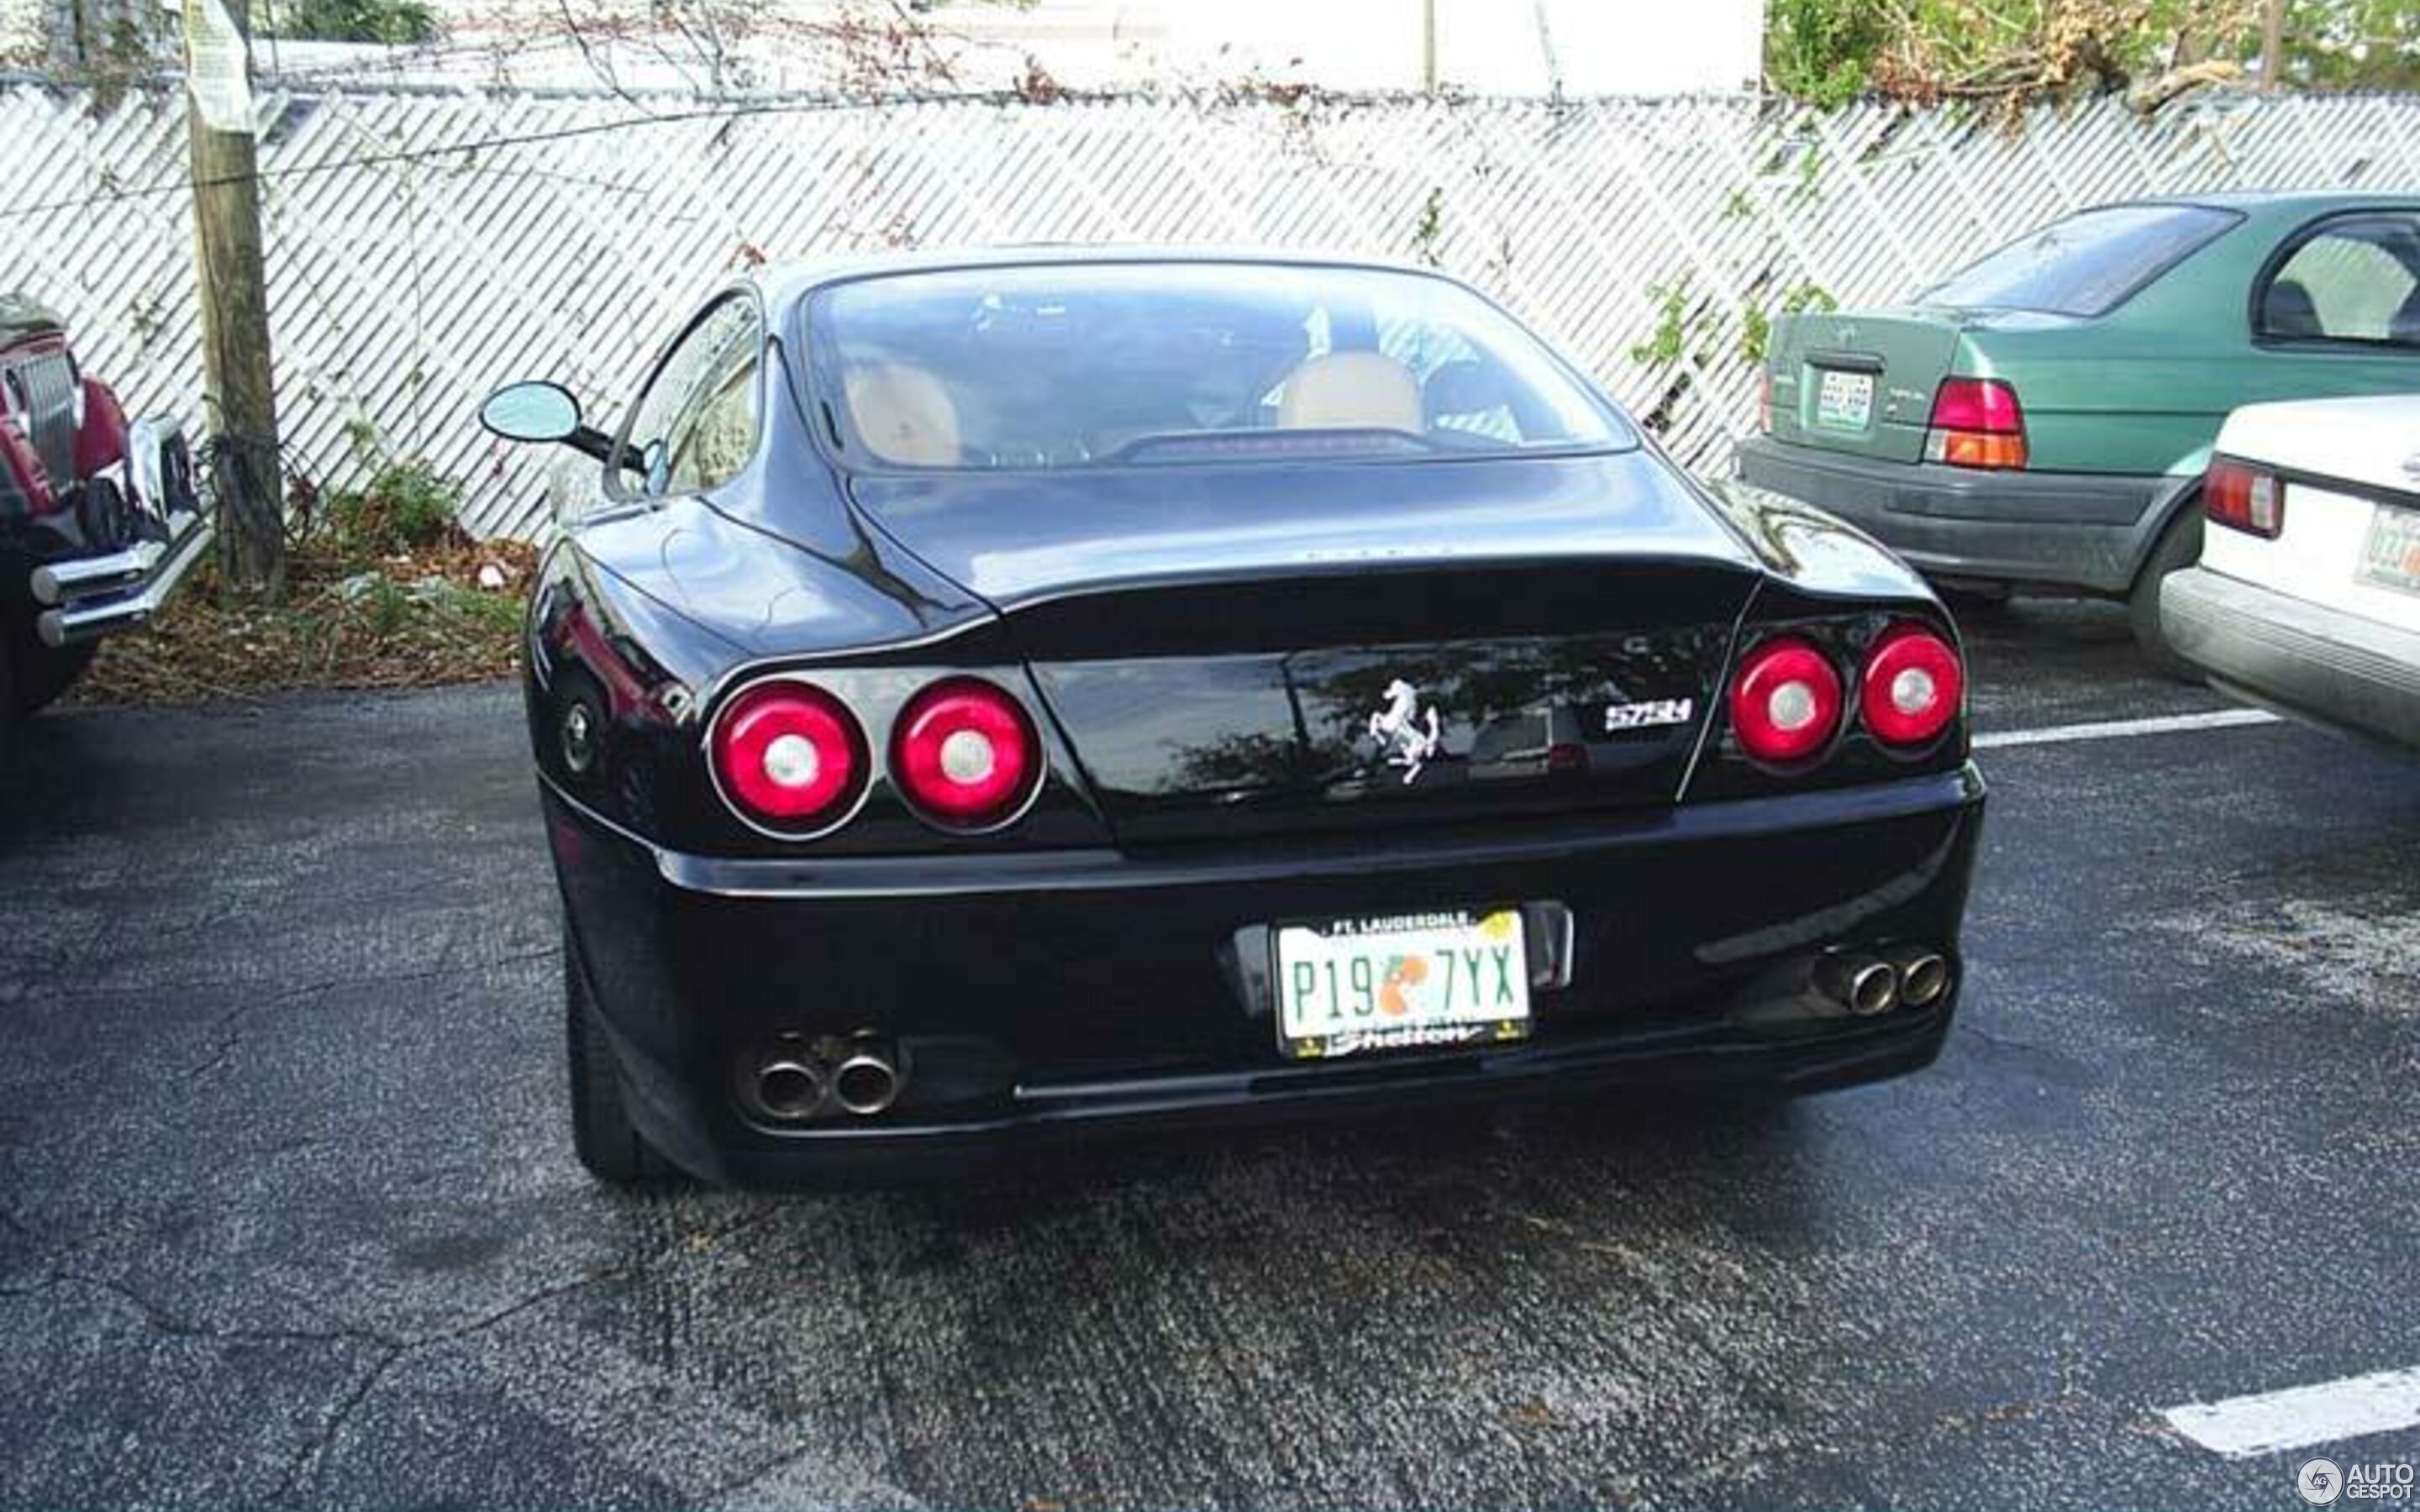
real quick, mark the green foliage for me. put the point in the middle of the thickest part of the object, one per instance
(2014, 51)
(1756, 333)
(1756, 323)
(404, 506)
(1430, 230)
(1821, 52)
(1685, 321)
(395, 22)
(385, 608)
(1671, 336)
(2354, 44)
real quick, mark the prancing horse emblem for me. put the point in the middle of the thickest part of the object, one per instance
(1408, 732)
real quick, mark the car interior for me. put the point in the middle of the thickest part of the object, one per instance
(920, 372)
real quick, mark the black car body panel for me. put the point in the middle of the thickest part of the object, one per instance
(1069, 990)
(1200, 649)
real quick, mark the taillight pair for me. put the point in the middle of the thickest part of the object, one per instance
(789, 757)
(2244, 498)
(1787, 703)
(1976, 424)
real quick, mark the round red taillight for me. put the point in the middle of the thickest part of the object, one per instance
(1786, 702)
(964, 754)
(788, 756)
(1913, 686)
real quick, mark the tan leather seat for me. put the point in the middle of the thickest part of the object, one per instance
(904, 414)
(1350, 390)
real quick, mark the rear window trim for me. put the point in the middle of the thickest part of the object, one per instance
(2231, 220)
(2283, 253)
(1628, 435)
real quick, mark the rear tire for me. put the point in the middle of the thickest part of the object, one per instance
(2178, 546)
(43, 673)
(602, 1136)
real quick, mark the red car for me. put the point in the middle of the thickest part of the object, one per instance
(99, 517)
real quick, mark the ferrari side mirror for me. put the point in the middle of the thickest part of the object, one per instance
(535, 411)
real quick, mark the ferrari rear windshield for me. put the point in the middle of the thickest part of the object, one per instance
(2086, 265)
(1073, 366)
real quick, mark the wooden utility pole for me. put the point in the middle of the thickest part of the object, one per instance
(233, 287)
(2273, 43)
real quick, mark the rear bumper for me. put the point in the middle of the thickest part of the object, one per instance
(1047, 996)
(2087, 531)
(2318, 664)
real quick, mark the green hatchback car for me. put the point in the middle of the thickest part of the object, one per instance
(2042, 418)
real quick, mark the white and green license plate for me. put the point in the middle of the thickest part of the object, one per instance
(2392, 555)
(1844, 400)
(1404, 981)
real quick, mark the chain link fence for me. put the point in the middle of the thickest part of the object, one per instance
(426, 246)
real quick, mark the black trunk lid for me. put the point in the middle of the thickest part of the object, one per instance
(1255, 649)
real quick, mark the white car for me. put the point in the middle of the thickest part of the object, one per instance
(2307, 598)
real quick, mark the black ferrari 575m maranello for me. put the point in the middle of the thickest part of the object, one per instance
(990, 697)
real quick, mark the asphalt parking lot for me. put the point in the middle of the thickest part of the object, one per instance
(288, 1214)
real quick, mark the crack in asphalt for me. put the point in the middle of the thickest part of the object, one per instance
(158, 1321)
(306, 1455)
(236, 1015)
(395, 1351)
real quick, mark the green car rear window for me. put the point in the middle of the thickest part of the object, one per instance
(2086, 265)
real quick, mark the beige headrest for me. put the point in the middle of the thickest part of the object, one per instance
(904, 414)
(1351, 390)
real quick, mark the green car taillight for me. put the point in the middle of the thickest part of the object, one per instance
(1976, 424)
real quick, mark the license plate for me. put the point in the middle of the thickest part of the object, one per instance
(1844, 401)
(1408, 982)
(2393, 555)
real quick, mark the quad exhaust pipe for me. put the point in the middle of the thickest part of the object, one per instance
(790, 1087)
(794, 1079)
(1862, 984)
(868, 1082)
(1911, 976)
(1923, 974)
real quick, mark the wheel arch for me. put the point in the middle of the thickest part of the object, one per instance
(2180, 492)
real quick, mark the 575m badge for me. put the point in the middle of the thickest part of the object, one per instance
(1654, 713)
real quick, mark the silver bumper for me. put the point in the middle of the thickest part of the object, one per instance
(2304, 660)
(86, 597)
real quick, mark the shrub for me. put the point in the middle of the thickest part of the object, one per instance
(404, 506)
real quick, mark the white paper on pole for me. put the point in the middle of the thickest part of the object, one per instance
(215, 67)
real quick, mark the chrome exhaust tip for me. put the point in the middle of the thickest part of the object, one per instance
(786, 1085)
(867, 1080)
(1923, 974)
(1860, 983)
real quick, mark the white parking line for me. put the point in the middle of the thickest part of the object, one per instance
(2121, 729)
(2241, 1427)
